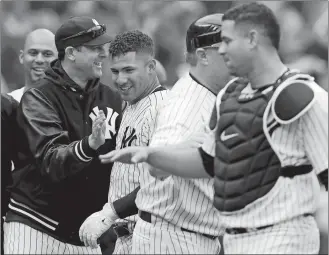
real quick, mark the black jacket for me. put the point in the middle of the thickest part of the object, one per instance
(63, 181)
(9, 152)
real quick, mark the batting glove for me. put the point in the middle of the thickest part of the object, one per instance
(96, 224)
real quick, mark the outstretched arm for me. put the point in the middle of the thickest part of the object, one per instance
(186, 162)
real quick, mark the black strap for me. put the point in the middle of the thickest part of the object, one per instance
(146, 216)
(291, 171)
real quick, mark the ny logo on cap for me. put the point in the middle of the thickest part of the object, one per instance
(95, 22)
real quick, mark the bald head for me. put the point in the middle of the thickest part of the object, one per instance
(42, 36)
(39, 51)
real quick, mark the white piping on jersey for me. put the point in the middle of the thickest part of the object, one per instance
(265, 127)
(39, 219)
(277, 92)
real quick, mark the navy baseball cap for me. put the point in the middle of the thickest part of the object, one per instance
(79, 31)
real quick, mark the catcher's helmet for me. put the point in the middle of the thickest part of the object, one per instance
(204, 32)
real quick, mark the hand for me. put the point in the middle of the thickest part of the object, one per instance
(97, 137)
(97, 224)
(128, 155)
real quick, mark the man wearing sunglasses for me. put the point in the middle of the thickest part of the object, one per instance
(66, 122)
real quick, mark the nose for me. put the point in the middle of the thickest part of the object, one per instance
(103, 51)
(39, 58)
(222, 48)
(121, 79)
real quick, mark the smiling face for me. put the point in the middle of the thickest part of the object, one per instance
(130, 74)
(89, 59)
(39, 51)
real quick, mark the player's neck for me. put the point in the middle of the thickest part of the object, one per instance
(153, 85)
(266, 70)
(206, 80)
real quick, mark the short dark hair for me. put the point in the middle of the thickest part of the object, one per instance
(259, 15)
(131, 41)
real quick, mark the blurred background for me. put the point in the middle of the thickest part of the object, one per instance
(304, 25)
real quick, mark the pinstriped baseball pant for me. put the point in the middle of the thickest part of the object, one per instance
(22, 239)
(152, 239)
(123, 245)
(296, 236)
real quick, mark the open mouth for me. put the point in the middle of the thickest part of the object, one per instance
(38, 70)
(124, 88)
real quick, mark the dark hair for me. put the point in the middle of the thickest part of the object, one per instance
(131, 41)
(61, 54)
(259, 15)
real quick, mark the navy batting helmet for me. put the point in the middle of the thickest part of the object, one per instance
(204, 32)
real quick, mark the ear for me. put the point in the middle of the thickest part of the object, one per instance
(151, 65)
(201, 56)
(21, 57)
(70, 53)
(253, 38)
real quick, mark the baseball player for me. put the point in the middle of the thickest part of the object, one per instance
(133, 72)
(267, 147)
(177, 215)
(39, 50)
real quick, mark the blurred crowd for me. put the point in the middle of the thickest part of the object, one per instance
(304, 25)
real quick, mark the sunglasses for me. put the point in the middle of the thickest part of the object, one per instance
(93, 32)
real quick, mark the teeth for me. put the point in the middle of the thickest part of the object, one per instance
(39, 69)
(124, 88)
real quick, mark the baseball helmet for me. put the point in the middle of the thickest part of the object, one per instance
(204, 32)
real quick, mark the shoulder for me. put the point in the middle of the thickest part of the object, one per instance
(109, 94)
(293, 98)
(8, 104)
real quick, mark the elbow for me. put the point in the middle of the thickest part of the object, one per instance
(52, 176)
(156, 173)
(153, 172)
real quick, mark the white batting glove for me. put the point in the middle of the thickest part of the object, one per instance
(96, 224)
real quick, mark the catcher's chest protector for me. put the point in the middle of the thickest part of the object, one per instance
(246, 167)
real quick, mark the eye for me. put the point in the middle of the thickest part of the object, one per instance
(129, 70)
(33, 52)
(114, 72)
(48, 54)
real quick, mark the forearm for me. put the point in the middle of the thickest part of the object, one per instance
(184, 162)
(126, 206)
(61, 161)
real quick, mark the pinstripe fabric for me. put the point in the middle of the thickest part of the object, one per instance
(160, 239)
(302, 142)
(186, 203)
(123, 245)
(297, 236)
(136, 129)
(22, 239)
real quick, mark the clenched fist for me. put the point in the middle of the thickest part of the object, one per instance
(97, 137)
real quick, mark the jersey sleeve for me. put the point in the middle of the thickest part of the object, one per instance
(177, 121)
(315, 131)
(57, 156)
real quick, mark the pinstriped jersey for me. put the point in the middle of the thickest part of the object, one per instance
(187, 203)
(136, 129)
(302, 142)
